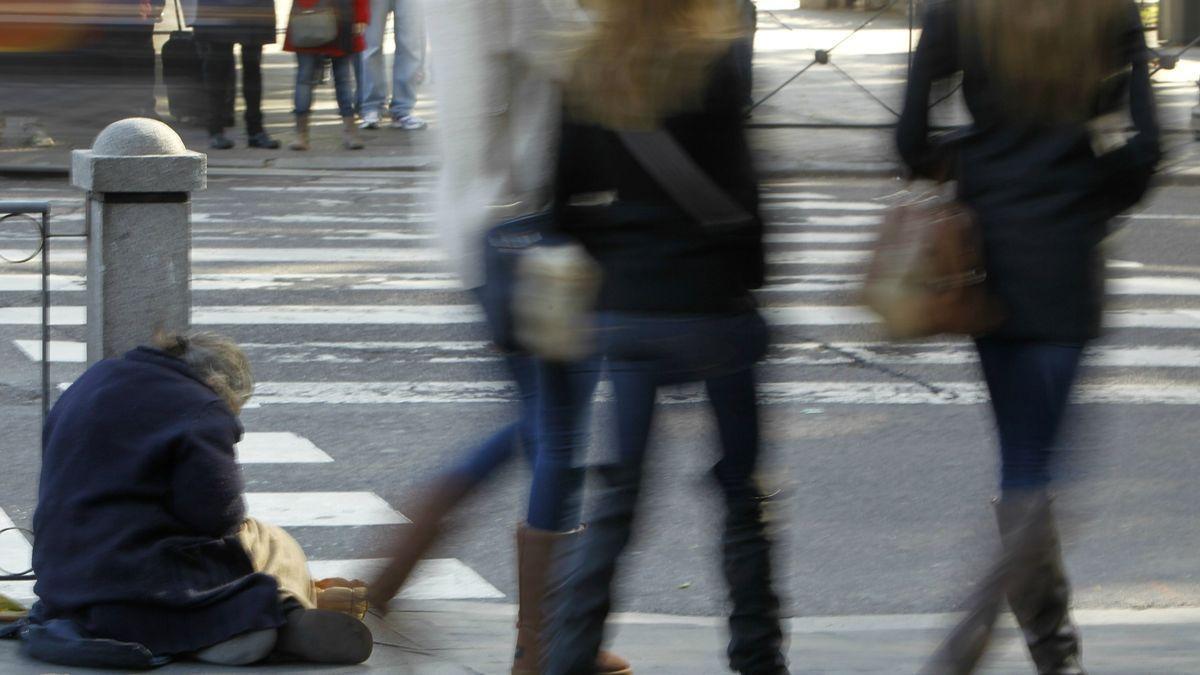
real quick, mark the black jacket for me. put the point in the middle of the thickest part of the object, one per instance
(247, 22)
(655, 258)
(1042, 195)
(139, 502)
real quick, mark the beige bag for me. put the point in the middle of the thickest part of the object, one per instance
(927, 275)
(554, 296)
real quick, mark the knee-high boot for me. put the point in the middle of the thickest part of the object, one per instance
(756, 644)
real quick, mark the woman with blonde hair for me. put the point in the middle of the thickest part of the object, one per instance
(675, 304)
(1044, 173)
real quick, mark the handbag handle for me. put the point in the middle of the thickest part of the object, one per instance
(688, 185)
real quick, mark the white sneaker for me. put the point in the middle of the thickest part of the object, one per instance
(370, 120)
(408, 123)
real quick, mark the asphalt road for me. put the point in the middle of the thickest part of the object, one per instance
(881, 454)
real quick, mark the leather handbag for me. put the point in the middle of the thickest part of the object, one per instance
(927, 275)
(314, 26)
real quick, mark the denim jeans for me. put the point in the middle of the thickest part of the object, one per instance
(409, 41)
(1030, 385)
(306, 69)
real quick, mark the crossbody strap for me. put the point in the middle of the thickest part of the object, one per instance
(688, 185)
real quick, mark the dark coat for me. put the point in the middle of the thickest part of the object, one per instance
(247, 22)
(655, 257)
(1042, 195)
(139, 503)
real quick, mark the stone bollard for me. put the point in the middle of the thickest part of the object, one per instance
(139, 178)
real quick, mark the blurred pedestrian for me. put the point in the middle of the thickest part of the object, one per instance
(219, 25)
(142, 549)
(346, 24)
(1044, 176)
(408, 63)
(498, 110)
(676, 303)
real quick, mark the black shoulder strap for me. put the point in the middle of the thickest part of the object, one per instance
(679, 175)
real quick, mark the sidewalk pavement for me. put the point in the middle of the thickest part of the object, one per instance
(452, 638)
(821, 123)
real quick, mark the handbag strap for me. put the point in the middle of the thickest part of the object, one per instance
(688, 185)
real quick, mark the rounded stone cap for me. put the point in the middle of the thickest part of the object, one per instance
(138, 137)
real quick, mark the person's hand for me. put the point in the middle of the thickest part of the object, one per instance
(360, 28)
(144, 9)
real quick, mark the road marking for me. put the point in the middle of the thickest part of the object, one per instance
(432, 579)
(825, 221)
(16, 554)
(61, 351)
(439, 315)
(807, 205)
(819, 196)
(276, 255)
(820, 238)
(1154, 286)
(322, 509)
(274, 447)
(369, 189)
(819, 257)
(771, 393)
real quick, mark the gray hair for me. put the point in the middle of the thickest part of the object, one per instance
(218, 360)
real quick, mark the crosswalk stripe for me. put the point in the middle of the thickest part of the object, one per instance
(16, 554)
(279, 447)
(275, 255)
(808, 205)
(432, 579)
(775, 393)
(439, 315)
(784, 354)
(322, 509)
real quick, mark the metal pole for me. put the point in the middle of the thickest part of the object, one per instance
(45, 321)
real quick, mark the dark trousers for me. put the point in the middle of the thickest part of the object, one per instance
(1030, 385)
(220, 83)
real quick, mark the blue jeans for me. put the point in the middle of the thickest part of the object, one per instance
(1030, 385)
(306, 70)
(407, 61)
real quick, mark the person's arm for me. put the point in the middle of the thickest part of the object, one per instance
(1129, 168)
(936, 58)
(206, 481)
(362, 15)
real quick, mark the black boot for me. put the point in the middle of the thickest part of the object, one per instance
(219, 141)
(261, 139)
(755, 636)
(1041, 598)
(323, 636)
(581, 597)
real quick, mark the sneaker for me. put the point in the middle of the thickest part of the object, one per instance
(370, 121)
(408, 123)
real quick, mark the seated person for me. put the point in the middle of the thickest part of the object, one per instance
(141, 535)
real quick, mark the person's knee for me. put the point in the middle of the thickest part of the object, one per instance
(240, 650)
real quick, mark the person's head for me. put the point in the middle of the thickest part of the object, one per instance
(644, 60)
(1051, 58)
(216, 359)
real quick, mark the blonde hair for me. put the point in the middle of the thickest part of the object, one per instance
(1050, 58)
(219, 361)
(644, 60)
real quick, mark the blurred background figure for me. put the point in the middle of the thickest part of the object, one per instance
(219, 25)
(498, 109)
(408, 63)
(142, 548)
(1045, 176)
(676, 303)
(341, 50)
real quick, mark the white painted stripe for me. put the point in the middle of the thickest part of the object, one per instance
(825, 221)
(16, 554)
(432, 579)
(278, 255)
(370, 189)
(807, 205)
(61, 351)
(415, 281)
(274, 447)
(819, 196)
(436, 315)
(821, 238)
(321, 509)
(819, 257)
(1155, 286)
(775, 393)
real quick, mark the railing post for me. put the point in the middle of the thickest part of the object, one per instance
(139, 178)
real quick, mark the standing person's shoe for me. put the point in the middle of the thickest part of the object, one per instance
(1040, 596)
(36, 136)
(428, 524)
(219, 141)
(302, 141)
(408, 122)
(323, 636)
(262, 140)
(370, 120)
(350, 139)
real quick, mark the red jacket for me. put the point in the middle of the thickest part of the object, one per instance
(362, 14)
